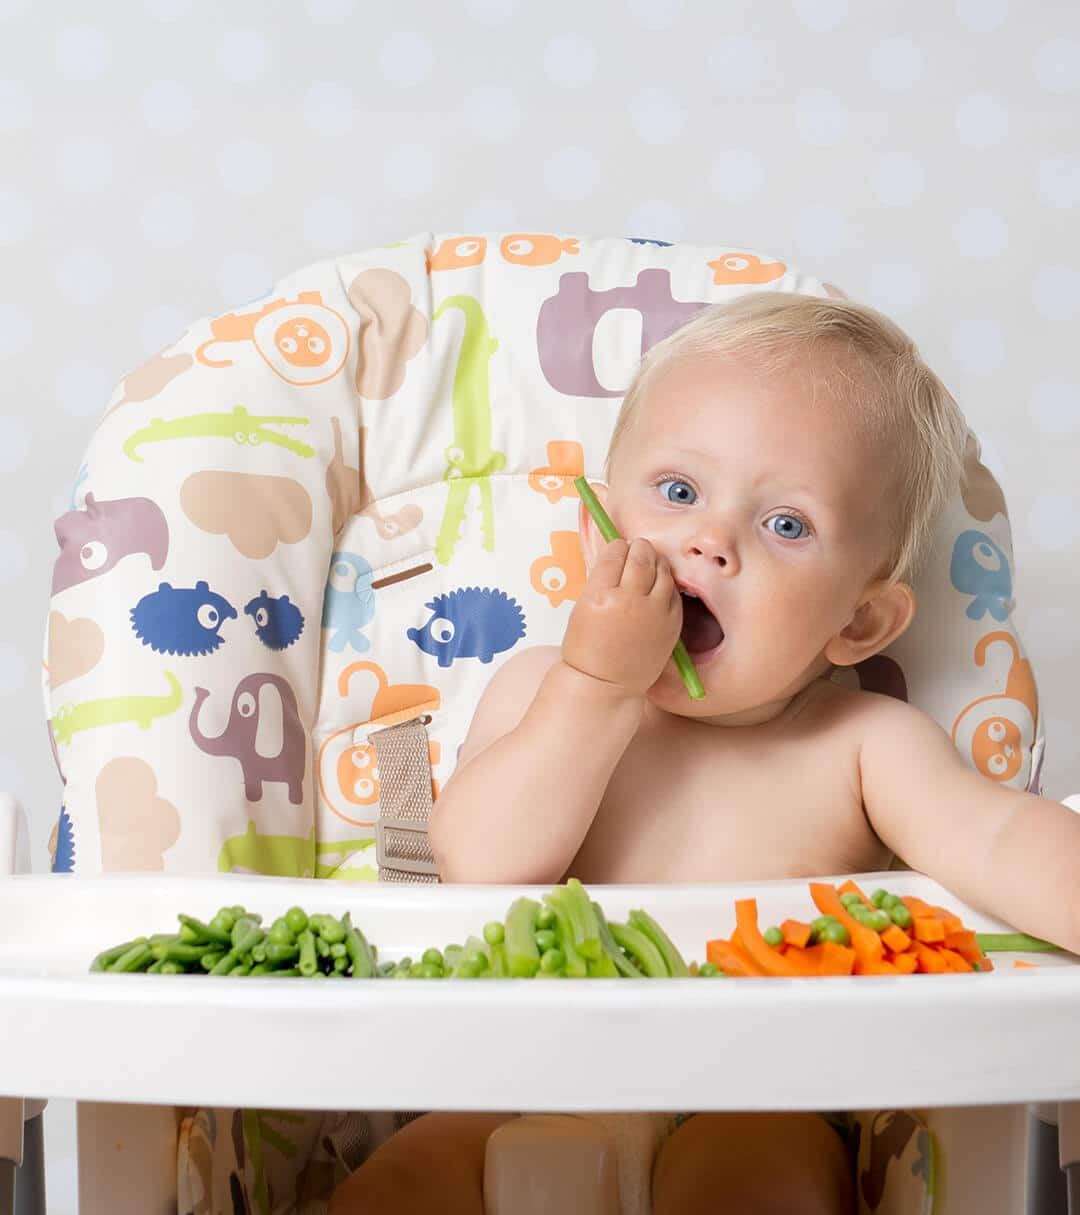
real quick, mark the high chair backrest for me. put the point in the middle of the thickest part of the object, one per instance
(342, 506)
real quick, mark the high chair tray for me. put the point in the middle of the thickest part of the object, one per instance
(676, 1044)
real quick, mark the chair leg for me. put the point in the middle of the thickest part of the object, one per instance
(30, 1175)
(551, 1162)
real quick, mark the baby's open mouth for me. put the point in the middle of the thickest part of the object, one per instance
(701, 631)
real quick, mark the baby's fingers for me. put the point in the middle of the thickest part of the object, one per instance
(608, 569)
(639, 572)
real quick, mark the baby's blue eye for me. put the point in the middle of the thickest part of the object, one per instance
(678, 491)
(790, 529)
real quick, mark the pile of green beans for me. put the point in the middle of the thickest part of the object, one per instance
(564, 936)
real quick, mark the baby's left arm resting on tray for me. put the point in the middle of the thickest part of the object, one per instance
(1010, 854)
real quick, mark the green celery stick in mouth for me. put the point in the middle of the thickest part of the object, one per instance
(682, 659)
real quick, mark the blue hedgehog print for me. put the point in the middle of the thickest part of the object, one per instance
(644, 240)
(478, 622)
(64, 858)
(349, 603)
(278, 623)
(980, 567)
(181, 620)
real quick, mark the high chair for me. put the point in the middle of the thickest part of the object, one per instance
(305, 536)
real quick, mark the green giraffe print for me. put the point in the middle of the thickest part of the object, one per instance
(114, 710)
(240, 426)
(292, 856)
(470, 458)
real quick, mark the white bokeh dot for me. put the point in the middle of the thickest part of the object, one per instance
(16, 328)
(16, 216)
(1055, 406)
(992, 455)
(243, 55)
(12, 774)
(736, 174)
(820, 229)
(1057, 180)
(16, 445)
(978, 345)
(491, 111)
(406, 57)
(492, 215)
(14, 669)
(735, 62)
(658, 115)
(895, 288)
(84, 164)
(570, 60)
(1057, 65)
(10, 9)
(655, 219)
(328, 109)
(492, 12)
(896, 63)
(84, 275)
(167, 10)
(408, 170)
(982, 15)
(167, 108)
(1055, 291)
(16, 106)
(1062, 736)
(162, 326)
(897, 179)
(246, 166)
(329, 222)
(82, 53)
(167, 220)
(1050, 521)
(981, 120)
(1054, 624)
(13, 562)
(821, 14)
(655, 14)
(571, 173)
(243, 277)
(330, 12)
(981, 233)
(82, 387)
(821, 118)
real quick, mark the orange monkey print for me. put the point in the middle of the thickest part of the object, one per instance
(566, 460)
(304, 342)
(744, 268)
(996, 733)
(560, 575)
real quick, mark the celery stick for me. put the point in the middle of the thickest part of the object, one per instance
(576, 965)
(641, 949)
(673, 960)
(622, 963)
(522, 955)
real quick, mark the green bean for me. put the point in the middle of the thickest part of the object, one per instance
(340, 965)
(992, 942)
(309, 962)
(340, 950)
(322, 946)
(225, 963)
(155, 968)
(246, 934)
(327, 927)
(107, 956)
(135, 958)
(171, 968)
(360, 952)
(211, 958)
(185, 954)
(205, 932)
(385, 969)
(278, 955)
(224, 920)
(290, 973)
(241, 968)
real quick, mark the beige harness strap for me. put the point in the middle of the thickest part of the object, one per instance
(402, 849)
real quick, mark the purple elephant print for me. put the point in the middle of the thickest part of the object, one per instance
(255, 695)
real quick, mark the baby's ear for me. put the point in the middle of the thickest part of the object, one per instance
(884, 612)
(591, 540)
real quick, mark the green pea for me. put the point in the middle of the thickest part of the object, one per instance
(339, 950)
(900, 916)
(545, 917)
(708, 970)
(879, 921)
(468, 970)
(494, 932)
(850, 898)
(835, 933)
(415, 969)
(879, 896)
(773, 936)
(428, 970)
(432, 957)
(890, 901)
(296, 918)
(553, 960)
(477, 959)
(545, 939)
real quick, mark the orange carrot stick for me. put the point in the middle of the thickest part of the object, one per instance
(731, 959)
(760, 951)
(865, 941)
(929, 961)
(896, 939)
(796, 933)
(928, 930)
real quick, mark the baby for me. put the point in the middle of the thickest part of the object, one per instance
(778, 465)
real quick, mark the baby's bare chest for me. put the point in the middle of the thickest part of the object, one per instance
(678, 811)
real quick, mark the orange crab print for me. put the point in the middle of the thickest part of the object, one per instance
(744, 268)
(456, 252)
(566, 460)
(536, 248)
(560, 575)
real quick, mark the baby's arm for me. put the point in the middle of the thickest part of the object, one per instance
(552, 726)
(1008, 853)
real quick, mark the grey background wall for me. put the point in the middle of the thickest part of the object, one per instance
(169, 159)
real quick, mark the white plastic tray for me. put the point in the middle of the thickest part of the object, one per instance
(918, 1040)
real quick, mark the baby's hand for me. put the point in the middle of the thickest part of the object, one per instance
(626, 623)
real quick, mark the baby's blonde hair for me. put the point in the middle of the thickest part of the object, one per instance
(895, 400)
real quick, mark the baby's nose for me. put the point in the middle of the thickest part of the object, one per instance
(714, 547)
